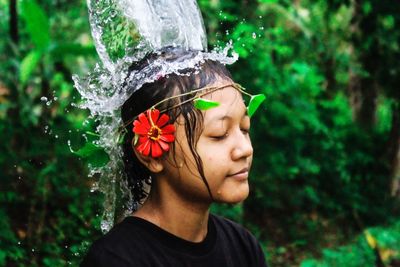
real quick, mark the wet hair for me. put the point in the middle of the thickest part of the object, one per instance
(137, 175)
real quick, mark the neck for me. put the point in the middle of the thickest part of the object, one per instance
(171, 212)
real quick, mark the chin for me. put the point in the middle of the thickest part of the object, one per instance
(234, 196)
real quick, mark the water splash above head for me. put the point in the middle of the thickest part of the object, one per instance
(122, 28)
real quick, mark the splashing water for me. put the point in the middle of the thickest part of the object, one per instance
(124, 31)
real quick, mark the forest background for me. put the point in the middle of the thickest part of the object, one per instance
(325, 183)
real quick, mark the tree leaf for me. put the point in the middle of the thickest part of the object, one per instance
(204, 104)
(87, 150)
(75, 49)
(98, 159)
(37, 23)
(255, 102)
(28, 65)
(95, 155)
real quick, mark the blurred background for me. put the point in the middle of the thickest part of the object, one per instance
(325, 183)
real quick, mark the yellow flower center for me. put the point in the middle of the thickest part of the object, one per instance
(154, 133)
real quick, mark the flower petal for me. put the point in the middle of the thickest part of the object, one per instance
(155, 150)
(143, 139)
(167, 138)
(144, 148)
(163, 120)
(154, 113)
(169, 129)
(143, 119)
(140, 128)
(163, 145)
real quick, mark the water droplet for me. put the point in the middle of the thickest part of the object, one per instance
(56, 136)
(261, 28)
(19, 243)
(43, 98)
(69, 145)
(254, 35)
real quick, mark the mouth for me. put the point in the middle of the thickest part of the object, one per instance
(240, 175)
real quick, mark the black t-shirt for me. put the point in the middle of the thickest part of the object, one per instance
(138, 243)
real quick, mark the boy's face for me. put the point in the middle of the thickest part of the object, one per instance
(224, 147)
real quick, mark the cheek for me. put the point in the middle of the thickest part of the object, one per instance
(214, 160)
(210, 150)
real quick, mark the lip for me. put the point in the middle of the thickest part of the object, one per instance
(240, 175)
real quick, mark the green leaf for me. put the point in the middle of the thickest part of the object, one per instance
(135, 140)
(95, 155)
(99, 159)
(92, 133)
(121, 138)
(61, 50)
(28, 65)
(204, 104)
(37, 23)
(255, 102)
(87, 150)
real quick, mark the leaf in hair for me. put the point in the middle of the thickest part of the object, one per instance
(135, 139)
(254, 104)
(204, 104)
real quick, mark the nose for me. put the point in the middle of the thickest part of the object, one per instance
(242, 147)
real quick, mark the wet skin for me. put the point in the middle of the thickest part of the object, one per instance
(225, 149)
(179, 200)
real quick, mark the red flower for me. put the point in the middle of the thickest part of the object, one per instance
(154, 134)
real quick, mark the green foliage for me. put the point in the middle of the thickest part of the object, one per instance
(37, 23)
(28, 65)
(316, 169)
(378, 244)
(46, 215)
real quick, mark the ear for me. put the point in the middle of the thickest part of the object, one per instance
(154, 165)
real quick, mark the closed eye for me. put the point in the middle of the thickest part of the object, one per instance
(219, 137)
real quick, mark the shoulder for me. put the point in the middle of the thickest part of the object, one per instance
(116, 248)
(232, 228)
(240, 239)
